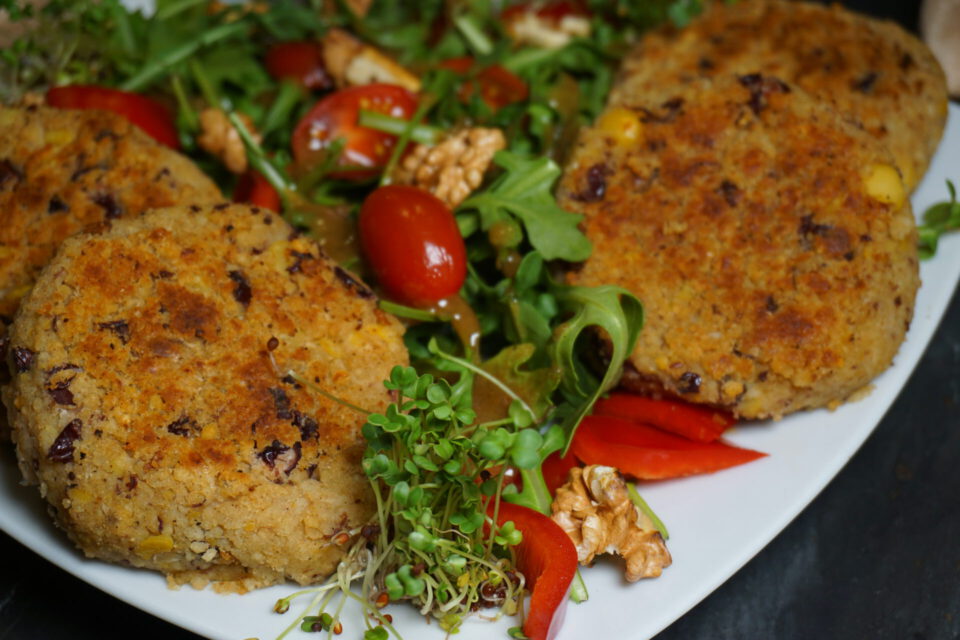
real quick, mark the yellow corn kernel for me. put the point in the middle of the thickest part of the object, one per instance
(621, 124)
(155, 544)
(883, 183)
(908, 172)
(60, 137)
(210, 432)
(80, 496)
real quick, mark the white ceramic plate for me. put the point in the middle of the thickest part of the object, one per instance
(717, 523)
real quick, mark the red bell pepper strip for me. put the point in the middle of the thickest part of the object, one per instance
(690, 421)
(548, 561)
(555, 469)
(254, 189)
(645, 453)
(151, 116)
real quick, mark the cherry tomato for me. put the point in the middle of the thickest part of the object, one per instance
(301, 62)
(254, 189)
(413, 244)
(551, 12)
(498, 87)
(150, 116)
(335, 116)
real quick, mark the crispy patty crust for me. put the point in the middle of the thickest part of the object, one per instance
(165, 395)
(62, 170)
(872, 70)
(770, 241)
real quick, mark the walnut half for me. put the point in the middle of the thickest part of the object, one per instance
(593, 507)
(219, 138)
(454, 167)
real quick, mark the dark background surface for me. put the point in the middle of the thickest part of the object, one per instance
(876, 555)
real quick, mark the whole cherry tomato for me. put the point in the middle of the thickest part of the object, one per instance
(498, 87)
(413, 244)
(301, 62)
(150, 116)
(335, 116)
(254, 189)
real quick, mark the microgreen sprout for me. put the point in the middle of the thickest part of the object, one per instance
(436, 474)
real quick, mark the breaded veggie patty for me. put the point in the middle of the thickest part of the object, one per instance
(872, 70)
(165, 395)
(770, 241)
(62, 170)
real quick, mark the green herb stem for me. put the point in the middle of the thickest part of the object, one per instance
(282, 106)
(424, 134)
(412, 313)
(428, 99)
(207, 90)
(474, 35)
(466, 364)
(170, 9)
(190, 119)
(638, 500)
(259, 161)
(158, 66)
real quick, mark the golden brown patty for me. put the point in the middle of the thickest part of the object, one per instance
(872, 70)
(770, 242)
(61, 171)
(151, 399)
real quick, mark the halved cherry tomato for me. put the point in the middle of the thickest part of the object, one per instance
(335, 116)
(646, 453)
(150, 116)
(301, 62)
(548, 561)
(702, 424)
(254, 189)
(413, 244)
(498, 87)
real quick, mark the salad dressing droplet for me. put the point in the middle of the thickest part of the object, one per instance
(461, 316)
(334, 229)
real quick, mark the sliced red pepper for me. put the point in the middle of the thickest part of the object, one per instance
(548, 561)
(498, 87)
(254, 189)
(645, 453)
(556, 469)
(301, 62)
(151, 116)
(702, 424)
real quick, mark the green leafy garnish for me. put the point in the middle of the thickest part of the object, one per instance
(524, 191)
(939, 218)
(619, 315)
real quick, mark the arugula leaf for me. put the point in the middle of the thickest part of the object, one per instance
(939, 218)
(620, 315)
(533, 386)
(523, 191)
